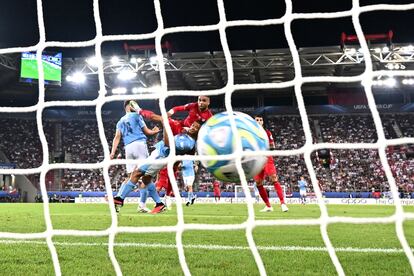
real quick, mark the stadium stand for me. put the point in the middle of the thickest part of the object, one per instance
(20, 142)
(348, 170)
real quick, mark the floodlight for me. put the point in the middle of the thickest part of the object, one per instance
(77, 77)
(93, 61)
(126, 75)
(115, 60)
(119, 90)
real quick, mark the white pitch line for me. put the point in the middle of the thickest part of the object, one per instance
(215, 247)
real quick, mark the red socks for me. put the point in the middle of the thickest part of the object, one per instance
(279, 192)
(263, 195)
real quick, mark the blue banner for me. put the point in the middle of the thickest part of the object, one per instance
(7, 166)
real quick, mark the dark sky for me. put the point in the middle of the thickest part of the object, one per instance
(72, 20)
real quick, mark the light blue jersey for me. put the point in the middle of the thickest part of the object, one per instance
(130, 126)
(302, 185)
(183, 143)
(187, 168)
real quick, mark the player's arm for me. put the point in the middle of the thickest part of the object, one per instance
(115, 143)
(180, 108)
(144, 128)
(149, 115)
(272, 144)
(150, 132)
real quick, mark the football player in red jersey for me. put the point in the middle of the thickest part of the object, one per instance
(197, 111)
(269, 170)
(217, 192)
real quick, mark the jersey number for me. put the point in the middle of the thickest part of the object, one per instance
(128, 127)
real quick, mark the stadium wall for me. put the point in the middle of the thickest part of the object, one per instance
(353, 195)
(27, 191)
(341, 201)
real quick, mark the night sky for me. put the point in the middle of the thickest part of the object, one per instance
(73, 21)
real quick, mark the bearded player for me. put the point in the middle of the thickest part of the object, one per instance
(197, 111)
(269, 170)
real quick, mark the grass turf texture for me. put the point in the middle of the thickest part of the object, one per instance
(290, 250)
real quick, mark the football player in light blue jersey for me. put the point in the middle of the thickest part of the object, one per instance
(184, 144)
(187, 171)
(302, 189)
(133, 131)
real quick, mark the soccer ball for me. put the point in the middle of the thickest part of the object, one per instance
(216, 138)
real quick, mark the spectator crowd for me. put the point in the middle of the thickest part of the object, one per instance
(346, 170)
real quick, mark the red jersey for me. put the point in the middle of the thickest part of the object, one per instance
(194, 114)
(176, 126)
(270, 136)
(216, 185)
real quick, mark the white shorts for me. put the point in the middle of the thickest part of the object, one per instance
(302, 192)
(149, 168)
(135, 151)
(188, 180)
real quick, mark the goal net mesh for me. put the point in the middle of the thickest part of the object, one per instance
(366, 79)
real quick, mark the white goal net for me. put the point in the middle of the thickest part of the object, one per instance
(161, 93)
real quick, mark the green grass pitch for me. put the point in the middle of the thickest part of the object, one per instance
(363, 249)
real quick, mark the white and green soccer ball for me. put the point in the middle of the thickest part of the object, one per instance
(216, 138)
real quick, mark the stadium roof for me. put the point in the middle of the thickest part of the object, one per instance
(207, 70)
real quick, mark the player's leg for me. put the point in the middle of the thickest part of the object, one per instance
(148, 170)
(125, 188)
(188, 182)
(270, 169)
(216, 197)
(123, 191)
(262, 192)
(151, 170)
(188, 179)
(131, 184)
(163, 182)
(140, 152)
(142, 207)
(128, 186)
(152, 192)
(132, 151)
(275, 180)
(168, 194)
(303, 196)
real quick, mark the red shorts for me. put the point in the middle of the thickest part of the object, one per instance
(269, 169)
(216, 192)
(163, 180)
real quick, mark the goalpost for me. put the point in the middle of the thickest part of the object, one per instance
(161, 94)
